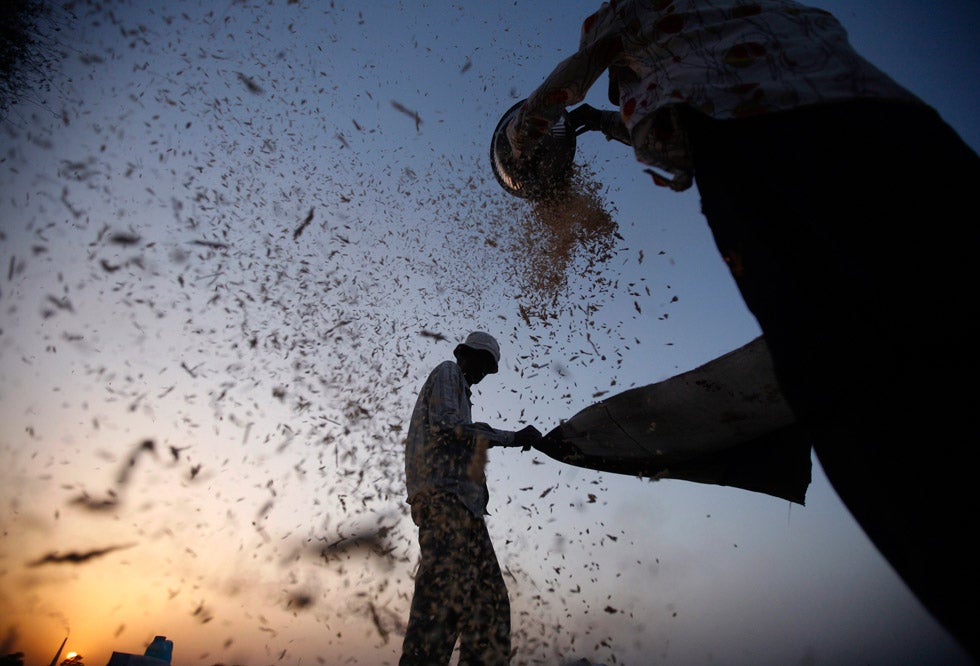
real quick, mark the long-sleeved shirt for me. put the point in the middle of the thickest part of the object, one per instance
(442, 451)
(724, 58)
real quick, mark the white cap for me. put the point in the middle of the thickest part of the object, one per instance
(480, 341)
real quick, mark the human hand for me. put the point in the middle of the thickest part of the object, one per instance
(526, 437)
(585, 117)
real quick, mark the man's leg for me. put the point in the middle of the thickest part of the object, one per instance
(433, 623)
(485, 637)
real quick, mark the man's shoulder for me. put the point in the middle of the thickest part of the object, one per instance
(446, 373)
(446, 368)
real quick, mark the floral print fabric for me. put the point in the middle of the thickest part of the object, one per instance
(724, 58)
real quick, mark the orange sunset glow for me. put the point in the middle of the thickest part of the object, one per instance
(236, 237)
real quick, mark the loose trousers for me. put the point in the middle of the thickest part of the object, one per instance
(459, 590)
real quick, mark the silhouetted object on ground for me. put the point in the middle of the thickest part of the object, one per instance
(158, 653)
(126, 659)
(161, 648)
(57, 655)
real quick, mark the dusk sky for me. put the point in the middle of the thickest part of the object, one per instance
(235, 238)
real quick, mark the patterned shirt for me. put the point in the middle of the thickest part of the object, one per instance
(446, 451)
(724, 58)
